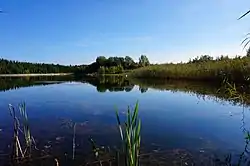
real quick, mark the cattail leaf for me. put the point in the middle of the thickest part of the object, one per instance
(246, 44)
(119, 124)
(135, 112)
(244, 15)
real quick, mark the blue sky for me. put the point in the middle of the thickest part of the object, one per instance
(77, 31)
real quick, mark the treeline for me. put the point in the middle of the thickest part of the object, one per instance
(114, 65)
(102, 65)
(15, 67)
(203, 68)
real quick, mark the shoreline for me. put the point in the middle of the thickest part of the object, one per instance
(35, 74)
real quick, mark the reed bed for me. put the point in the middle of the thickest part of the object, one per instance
(236, 70)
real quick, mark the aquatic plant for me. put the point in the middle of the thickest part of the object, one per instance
(16, 147)
(21, 125)
(26, 128)
(22, 151)
(236, 70)
(130, 136)
(69, 124)
(130, 133)
(235, 94)
(74, 141)
(96, 151)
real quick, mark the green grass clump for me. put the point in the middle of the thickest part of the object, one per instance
(130, 137)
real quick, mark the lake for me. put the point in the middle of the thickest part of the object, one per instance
(175, 121)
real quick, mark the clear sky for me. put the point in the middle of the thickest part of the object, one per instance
(77, 31)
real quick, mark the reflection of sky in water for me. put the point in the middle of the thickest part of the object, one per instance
(168, 119)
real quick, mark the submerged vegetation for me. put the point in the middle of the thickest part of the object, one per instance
(23, 145)
(24, 148)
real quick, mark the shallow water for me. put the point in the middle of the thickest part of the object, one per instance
(170, 120)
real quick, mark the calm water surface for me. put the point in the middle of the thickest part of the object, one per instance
(170, 120)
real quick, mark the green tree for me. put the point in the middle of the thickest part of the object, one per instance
(118, 61)
(15, 67)
(110, 61)
(119, 69)
(101, 60)
(143, 61)
(101, 70)
(128, 62)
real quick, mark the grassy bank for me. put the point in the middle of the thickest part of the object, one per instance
(236, 70)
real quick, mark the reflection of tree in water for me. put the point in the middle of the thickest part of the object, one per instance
(112, 84)
(129, 88)
(9, 83)
(101, 88)
(235, 98)
(143, 89)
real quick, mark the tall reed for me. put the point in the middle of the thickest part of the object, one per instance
(21, 126)
(236, 70)
(130, 136)
(26, 128)
(16, 147)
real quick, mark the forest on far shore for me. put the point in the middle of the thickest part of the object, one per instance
(111, 65)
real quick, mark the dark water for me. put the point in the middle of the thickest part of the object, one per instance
(175, 119)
